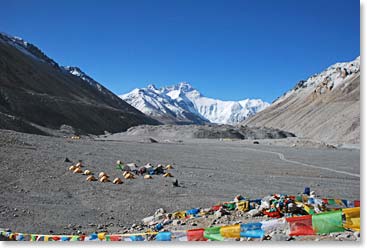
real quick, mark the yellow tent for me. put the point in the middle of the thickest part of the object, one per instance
(91, 178)
(102, 174)
(148, 177)
(117, 181)
(103, 179)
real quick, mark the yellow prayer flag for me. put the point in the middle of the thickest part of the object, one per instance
(233, 231)
(352, 216)
(101, 236)
(243, 206)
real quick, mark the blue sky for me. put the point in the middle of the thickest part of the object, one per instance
(226, 49)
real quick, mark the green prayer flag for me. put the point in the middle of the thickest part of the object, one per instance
(213, 233)
(74, 238)
(328, 222)
(230, 206)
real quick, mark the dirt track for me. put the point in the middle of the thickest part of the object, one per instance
(39, 194)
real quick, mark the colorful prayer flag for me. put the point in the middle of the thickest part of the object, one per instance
(300, 225)
(352, 218)
(328, 222)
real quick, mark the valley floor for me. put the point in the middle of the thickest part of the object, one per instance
(39, 194)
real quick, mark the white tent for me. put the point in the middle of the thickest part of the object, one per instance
(132, 166)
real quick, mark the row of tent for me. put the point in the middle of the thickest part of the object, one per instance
(129, 171)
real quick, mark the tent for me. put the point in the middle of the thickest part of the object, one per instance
(129, 167)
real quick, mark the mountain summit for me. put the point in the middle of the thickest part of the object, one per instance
(182, 103)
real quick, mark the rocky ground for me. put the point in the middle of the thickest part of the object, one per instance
(40, 195)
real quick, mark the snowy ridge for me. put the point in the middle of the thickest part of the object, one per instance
(27, 48)
(329, 79)
(36, 54)
(76, 71)
(178, 100)
(155, 103)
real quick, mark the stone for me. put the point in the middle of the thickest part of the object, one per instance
(280, 237)
(176, 222)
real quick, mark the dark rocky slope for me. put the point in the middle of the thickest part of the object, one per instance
(35, 90)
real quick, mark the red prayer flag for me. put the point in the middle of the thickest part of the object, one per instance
(215, 208)
(196, 235)
(300, 225)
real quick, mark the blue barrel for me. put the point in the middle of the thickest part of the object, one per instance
(193, 211)
(158, 226)
(306, 191)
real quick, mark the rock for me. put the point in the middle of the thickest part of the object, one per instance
(253, 212)
(176, 222)
(279, 237)
(218, 214)
(159, 211)
(151, 140)
(194, 224)
(175, 183)
(67, 160)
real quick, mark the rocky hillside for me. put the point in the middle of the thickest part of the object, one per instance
(184, 132)
(324, 107)
(182, 103)
(36, 93)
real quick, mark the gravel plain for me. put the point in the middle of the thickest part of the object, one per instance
(40, 195)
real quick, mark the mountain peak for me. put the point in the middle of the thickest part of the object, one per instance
(152, 87)
(177, 100)
(184, 86)
(76, 71)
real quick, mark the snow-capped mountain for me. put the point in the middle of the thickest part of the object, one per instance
(155, 103)
(325, 107)
(175, 102)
